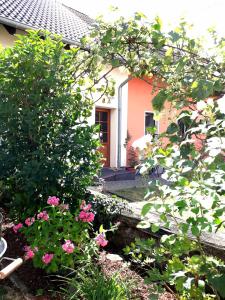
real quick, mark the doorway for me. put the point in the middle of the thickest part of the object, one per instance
(102, 118)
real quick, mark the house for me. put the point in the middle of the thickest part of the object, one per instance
(123, 119)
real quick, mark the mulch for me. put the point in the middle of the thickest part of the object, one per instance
(139, 289)
(36, 280)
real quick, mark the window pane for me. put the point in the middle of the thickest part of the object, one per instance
(103, 137)
(182, 128)
(104, 127)
(103, 116)
(149, 121)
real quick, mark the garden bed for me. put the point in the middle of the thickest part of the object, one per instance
(33, 283)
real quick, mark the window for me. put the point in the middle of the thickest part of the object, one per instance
(150, 122)
(182, 128)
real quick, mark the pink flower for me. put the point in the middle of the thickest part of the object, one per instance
(100, 240)
(47, 258)
(29, 252)
(29, 221)
(54, 201)
(17, 227)
(68, 247)
(85, 207)
(43, 215)
(86, 216)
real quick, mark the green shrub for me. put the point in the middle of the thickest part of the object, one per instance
(107, 209)
(193, 203)
(89, 283)
(46, 145)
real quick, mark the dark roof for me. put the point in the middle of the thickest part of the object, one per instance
(45, 14)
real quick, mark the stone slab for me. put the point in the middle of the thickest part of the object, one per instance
(213, 242)
(210, 240)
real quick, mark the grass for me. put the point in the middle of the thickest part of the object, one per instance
(135, 194)
(89, 283)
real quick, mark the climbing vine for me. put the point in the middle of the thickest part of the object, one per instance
(191, 150)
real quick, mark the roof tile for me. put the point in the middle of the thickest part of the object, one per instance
(47, 14)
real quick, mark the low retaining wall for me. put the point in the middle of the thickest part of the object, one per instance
(214, 243)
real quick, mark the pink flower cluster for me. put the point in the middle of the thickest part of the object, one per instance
(101, 241)
(29, 221)
(85, 215)
(53, 201)
(17, 227)
(68, 246)
(43, 215)
(85, 207)
(29, 252)
(47, 258)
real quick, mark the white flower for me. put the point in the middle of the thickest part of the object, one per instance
(201, 105)
(221, 104)
(141, 143)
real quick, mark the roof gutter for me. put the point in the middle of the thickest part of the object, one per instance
(120, 90)
(22, 26)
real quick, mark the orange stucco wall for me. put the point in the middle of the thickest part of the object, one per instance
(139, 101)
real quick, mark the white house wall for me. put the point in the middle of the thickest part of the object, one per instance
(119, 76)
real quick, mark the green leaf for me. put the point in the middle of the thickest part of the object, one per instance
(146, 208)
(195, 231)
(154, 228)
(172, 128)
(183, 181)
(174, 36)
(201, 89)
(101, 229)
(218, 283)
(181, 204)
(139, 16)
(159, 100)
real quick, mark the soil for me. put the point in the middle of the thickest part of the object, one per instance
(32, 281)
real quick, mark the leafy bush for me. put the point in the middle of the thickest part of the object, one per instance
(193, 202)
(141, 251)
(58, 238)
(89, 283)
(47, 146)
(178, 262)
(107, 208)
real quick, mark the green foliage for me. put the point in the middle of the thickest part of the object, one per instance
(185, 75)
(159, 100)
(141, 251)
(178, 262)
(47, 146)
(107, 209)
(193, 202)
(89, 283)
